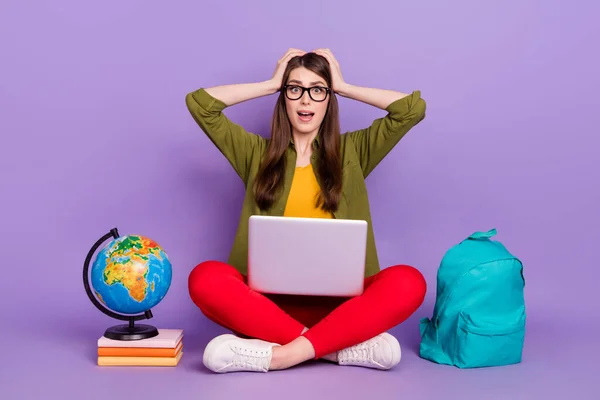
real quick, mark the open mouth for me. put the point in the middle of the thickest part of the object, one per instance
(305, 116)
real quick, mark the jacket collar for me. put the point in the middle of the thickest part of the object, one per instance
(316, 142)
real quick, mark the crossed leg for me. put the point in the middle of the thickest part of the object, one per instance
(306, 327)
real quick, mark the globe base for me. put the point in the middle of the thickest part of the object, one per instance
(128, 332)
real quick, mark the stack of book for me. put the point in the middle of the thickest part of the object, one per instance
(164, 350)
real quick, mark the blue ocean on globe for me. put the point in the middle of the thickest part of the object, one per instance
(131, 274)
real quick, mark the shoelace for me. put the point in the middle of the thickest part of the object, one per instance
(251, 359)
(360, 353)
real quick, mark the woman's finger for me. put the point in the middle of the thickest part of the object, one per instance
(290, 56)
(287, 54)
(322, 53)
(328, 51)
(329, 58)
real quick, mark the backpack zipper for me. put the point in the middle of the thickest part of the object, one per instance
(456, 280)
(491, 331)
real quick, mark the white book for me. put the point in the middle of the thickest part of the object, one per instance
(167, 338)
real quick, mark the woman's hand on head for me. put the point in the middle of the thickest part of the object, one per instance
(277, 79)
(337, 81)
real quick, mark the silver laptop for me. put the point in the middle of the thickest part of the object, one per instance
(306, 256)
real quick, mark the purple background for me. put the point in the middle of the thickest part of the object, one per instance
(95, 134)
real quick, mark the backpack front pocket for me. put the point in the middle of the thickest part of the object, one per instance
(486, 342)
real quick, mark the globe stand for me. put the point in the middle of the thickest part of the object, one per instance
(129, 331)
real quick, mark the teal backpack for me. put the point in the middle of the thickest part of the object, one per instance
(479, 314)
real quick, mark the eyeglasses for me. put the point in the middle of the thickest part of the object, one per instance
(316, 93)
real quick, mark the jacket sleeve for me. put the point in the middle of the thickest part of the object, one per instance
(235, 143)
(372, 144)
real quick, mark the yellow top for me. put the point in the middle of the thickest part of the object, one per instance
(302, 201)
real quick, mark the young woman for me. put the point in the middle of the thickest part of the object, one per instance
(305, 169)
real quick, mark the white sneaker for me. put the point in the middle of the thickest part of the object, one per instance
(229, 353)
(381, 352)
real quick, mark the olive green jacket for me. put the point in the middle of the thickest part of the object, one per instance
(361, 151)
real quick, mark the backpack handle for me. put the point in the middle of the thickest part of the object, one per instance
(483, 235)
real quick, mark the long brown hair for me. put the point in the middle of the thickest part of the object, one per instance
(269, 180)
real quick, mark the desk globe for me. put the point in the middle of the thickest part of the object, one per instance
(130, 275)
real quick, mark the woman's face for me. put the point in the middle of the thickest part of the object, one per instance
(305, 114)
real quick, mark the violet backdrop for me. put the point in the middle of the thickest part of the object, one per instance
(95, 134)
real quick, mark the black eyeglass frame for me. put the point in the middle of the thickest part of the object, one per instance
(304, 89)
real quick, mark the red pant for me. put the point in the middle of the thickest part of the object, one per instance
(390, 297)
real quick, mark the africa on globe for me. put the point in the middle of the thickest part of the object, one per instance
(131, 274)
